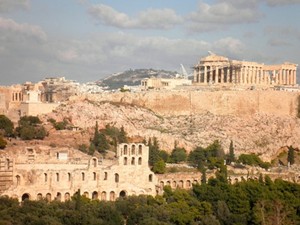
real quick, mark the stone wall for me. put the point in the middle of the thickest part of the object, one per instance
(236, 103)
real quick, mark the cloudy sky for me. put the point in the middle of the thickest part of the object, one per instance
(86, 40)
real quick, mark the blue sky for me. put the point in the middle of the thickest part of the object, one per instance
(86, 40)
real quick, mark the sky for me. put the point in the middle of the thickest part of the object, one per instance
(87, 40)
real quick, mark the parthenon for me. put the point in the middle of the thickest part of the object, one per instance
(215, 69)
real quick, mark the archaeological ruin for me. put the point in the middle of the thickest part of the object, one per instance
(42, 172)
(216, 69)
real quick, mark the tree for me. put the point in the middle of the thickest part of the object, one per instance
(231, 157)
(3, 143)
(6, 125)
(153, 151)
(291, 155)
(159, 167)
(178, 155)
(30, 128)
(122, 138)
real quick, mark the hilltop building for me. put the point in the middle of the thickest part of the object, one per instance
(164, 83)
(216, 69)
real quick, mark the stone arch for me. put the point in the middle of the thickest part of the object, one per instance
(25, 196)
(57, 177)
(150, 177)
(103, 196)
(67, 196)
(105, 175)
(94, 176)
(140, 149)
(95, 195)
(132, 149)
(188, 184)
(125, 150)
(39, 197)
(168, 183)
(69, 176)
(195, 181)
(82, 176)
(125, 161)
(48, 197)
(86, 194)
(132, 161)
(112, 196)
(117, 178)
(180, 184)
(45, 177)
(58, 196)
(123, 194)
(18, 180)
(174, 184)
(140, 161)
(162, 184)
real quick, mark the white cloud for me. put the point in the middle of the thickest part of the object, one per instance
(282, 2)
(148, 19)
(9, 25)
(9, 5)
(229, 46)
(223, 13)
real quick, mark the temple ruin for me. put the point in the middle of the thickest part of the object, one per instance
(216, 69)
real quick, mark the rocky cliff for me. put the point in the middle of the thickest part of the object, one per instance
(256, 121)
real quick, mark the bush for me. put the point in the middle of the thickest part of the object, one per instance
(3, 143)
(6, 125)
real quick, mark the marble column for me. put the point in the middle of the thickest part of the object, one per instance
(222, 75)
(205, 74)
(217, 75)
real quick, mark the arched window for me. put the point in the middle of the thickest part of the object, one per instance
(67, 196)
(132, 161)
(140, 149)
(94, 162)
(132, 149)
(48, 197)
(174, 184)
(18, 178)
(150, 177)
(140, 161)
(112, 196)
(25, 197)
(168, 183)
(58, 196)
(181, 183)
(105, 175)
(57, 177)
(117, 178)
(103, 196)
(125, 149)
(188, 184)
(162, 184)
(95, 195)
(7, 164)
(86, 194)
(94, 175)
(82, 176)
(39, 197)
(69, 176)
(125, 160)
(45, 177)
(122, 194)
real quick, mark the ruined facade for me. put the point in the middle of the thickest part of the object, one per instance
(164, 83)
(51, 173)
(215, 69)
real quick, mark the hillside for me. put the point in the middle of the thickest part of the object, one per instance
(133, 77)
(264, 132)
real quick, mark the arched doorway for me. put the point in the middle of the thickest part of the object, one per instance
(95, 195)
(25, 197)
(122, 194)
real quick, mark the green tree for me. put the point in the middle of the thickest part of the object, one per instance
(231, 156)
(3, 143)
(159, 167)
(122, 138)
(178, 155)
(153, 151)
(6, 126)
(291, 155)
(29, 127)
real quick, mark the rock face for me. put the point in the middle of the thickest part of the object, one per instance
(258, 122)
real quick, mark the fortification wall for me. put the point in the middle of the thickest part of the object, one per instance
(237, 103)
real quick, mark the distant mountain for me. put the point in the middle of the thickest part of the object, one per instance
(133, 77)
